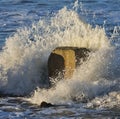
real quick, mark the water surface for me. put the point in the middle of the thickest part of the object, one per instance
(31, 29)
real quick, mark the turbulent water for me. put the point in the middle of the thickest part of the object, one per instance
(30, 30)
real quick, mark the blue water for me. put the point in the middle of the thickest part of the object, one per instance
(15, 14)
(18, 14)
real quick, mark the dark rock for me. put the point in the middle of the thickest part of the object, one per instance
(45, 104)
(81, 55)
(56, 65)
(63, 61)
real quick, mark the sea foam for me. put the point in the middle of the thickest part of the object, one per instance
(23, 60)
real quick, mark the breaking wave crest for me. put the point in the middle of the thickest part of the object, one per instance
(23, 60)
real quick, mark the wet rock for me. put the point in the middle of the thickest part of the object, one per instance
(56, 65)
(63, 61)
(45, 104)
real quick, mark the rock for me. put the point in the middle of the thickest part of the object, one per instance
(63, 61)
(45, 104)
(55, 65)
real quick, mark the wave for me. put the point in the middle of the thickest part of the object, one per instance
(23, 60)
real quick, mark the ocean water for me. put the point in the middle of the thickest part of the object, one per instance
(30, 30)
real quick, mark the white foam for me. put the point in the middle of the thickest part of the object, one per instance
(23, 60)
(110, 100)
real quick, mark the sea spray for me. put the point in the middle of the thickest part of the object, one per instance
(111, 98)
(87, 82)
(23, 62)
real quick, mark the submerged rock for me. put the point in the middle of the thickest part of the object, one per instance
(63, 61)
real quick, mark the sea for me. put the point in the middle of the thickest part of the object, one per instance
(30, 30)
